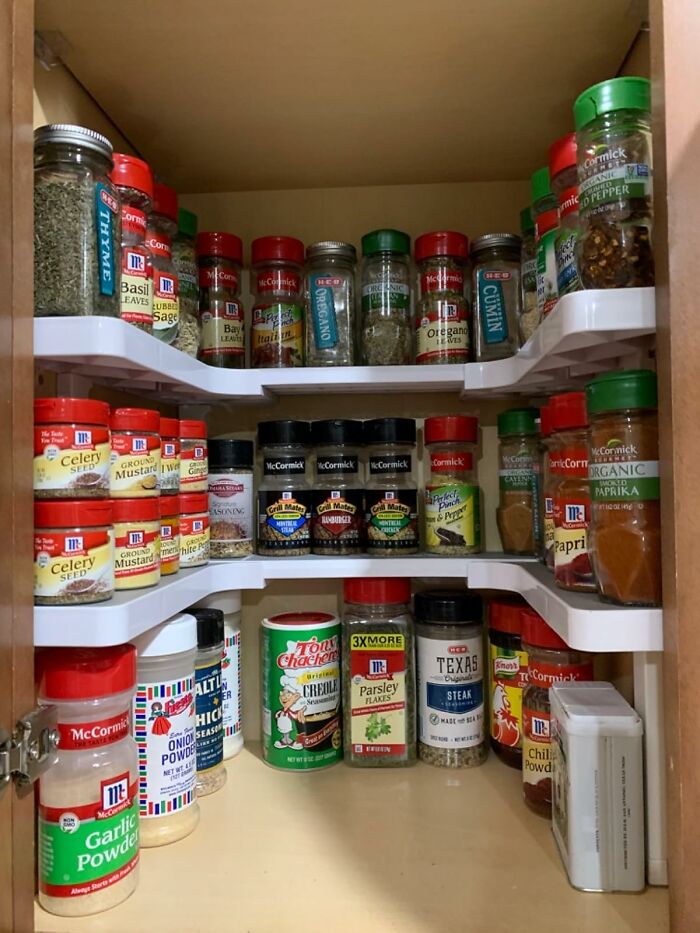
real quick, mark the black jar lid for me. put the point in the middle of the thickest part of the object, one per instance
(226, 453)
(210, 626)
(284, 432)
(337, 431)
(390, 431)
(449, 607)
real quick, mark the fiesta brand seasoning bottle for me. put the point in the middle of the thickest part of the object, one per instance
(134, 183)
(545, 210)
(529, 312)
(185, 264)
(284, 493)
(194, 529)
(88, 826)
(231, 513)
(162, 228)
(135, 462)
(517, 513)
(442, 314)
(301, 727)
(330, 303)
(277, 335)
(452, 496)
(220, 256)
(169, 456)
(71, 449)
(337, 517)
(550, 480)
(194, 457)
(386, 337)
(169, 535)
(563, 172)
(497, 295)
(211, 773)
(136, 543)
(507, 680)
(391, 498)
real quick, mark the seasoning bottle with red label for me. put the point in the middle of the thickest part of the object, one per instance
(277, 334)
(549, 443)
(442, 313)
(337, 518)
(562, 169)
(219, 256)
(452, 496)
(162, 227)
(134, 182)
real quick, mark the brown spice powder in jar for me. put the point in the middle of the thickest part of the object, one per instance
(517, 515)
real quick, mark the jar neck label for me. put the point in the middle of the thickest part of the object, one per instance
(492, 305)
(398, 464)
(159, 244)
(570, 461)
(442, 279)
(218, 277)
(323, 310)
(340, 464)
(448, 461)
(568, 202)
(106, 207)
(278, 280)
(545, 674)
(284, 466)
(79, 736)
(133, 221)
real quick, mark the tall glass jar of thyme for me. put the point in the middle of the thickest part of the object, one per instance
(77, 223)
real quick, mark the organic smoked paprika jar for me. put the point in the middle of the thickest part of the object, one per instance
(508, 679)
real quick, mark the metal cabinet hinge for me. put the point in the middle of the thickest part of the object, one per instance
(30, 750)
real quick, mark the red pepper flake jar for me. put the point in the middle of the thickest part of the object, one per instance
(277, 336)
(194, 457)
(508, 678)
(136, 543)
(169, 535)
(442, 315)
(134, 182)
(71, 449)
(135, 467)
(194, 530)
(220, 256)
(550, 661)
(169, 456)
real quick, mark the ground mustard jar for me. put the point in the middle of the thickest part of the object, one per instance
(71, 449)
(136, 543)
(194, 457)
(169, 535)
(135, 466)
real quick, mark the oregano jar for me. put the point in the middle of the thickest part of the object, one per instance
(442, 312)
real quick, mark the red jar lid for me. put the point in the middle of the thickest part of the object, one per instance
(169, 427)
(505, 615)
(378, 590)
(568, 411)
(135, 419)
(169, 506)
(443, 243)
(546, 222)
(451, 428)
(85, 673)
(88, 411)
(227, 245)
(562, 154)
(193, 429)
(136, 510)
(546, 420)
(301, 618)
(165, 201)
(535, 631)
(287, 248)
(130, 172)
(193, 502)
(73, 513)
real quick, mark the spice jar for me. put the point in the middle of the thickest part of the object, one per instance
(549, 443)
(284, 493)
(77, 223)
(497, 295)
(379, 721)
(338, 513)
(330, 303)
(545, 210)
(452, 496)
(194, 530)
(222, 343)
(231, 497)
(508, 678)
(211, 773)
(563, 172)
(88, 825)
(517, 514)
(194, 456)
(136, 543)
(169, 535)
(386, 337)
(71, 448)
(450, 679)
(162, 228)
(442, 313)
(73, 552)
(391, 498)
(164, 729)
(134, 183)
(572, 501)
(550, 661)
(185, 264)
(135, 461)
(625, 531)
(169, 456)
(615, 172)
(529, 312)
(277, 333)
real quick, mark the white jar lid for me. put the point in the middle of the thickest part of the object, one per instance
(172, 637)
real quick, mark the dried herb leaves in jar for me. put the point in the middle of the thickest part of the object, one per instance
(220, 256)
(185, 263)
(386, 335)
(442, 313)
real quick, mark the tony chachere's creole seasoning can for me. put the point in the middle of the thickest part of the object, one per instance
(135, 467)
(71, 448)
(194, 457)
(284, 494)
(301, 690)
(391, 498)
(277, 338)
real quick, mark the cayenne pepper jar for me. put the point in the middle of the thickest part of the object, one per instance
(71, 448)
(169, 456)
(337, 517)
(162, 227)
(135, 463)
(517, 514)
(194, 456)
(277, 334)
(442, 313)
(545, 209)
(452, 496)
(134, 183)
(391, 497)
(508, 679)
(220, 256)
(563, 172)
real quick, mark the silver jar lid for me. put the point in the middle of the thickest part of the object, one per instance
(68, 133)
(497, 240)
(332, 248)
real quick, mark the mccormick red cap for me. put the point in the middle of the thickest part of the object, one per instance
(169, 427)
(278, 247)
(50, 410)
(85, 673)
(546, 420)
(380, 590)
(535, 631)
(193, 429)
(568, 411)
(136, 510)
(451, 428)
(135, 419)
(562, 154)
(165, 201)
(130, 172)
(73, 513)
(227, 245)
(169, 506)
(505, 615)
(444, 243)
(193, 502)
(546, 222)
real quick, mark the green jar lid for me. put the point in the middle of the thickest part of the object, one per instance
(615, 94)
(527, 224)
(381, 241)
(187, 222)
(540, 184)
(631, 388)
(517, 421)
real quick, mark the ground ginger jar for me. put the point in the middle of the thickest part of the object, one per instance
(194, 456)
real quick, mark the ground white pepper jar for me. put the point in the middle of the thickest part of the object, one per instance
(211, 773)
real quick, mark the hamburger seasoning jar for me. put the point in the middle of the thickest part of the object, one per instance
(337, 525)
(194, 456)
(136, 543)
(135, 464)
(277, 337)
(71, 449)
(301, 690)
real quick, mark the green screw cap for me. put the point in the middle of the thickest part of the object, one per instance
(187, 222)
(517, 421)
(631, 388)
(527, 224)
(540, 184)
(615, 94)
(385, 241)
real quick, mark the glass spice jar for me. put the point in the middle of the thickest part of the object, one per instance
(77, 223)
(391, 496)
(625, 531)
(185, 264)
(337, 516)
(71, 448)
(134, 182)
(330, 303)
(508, 666)
(160, 232)
(231, 497)
(194, 530)
(545, 210)
(529, 312)
(220, 256)
(194, 457)
(517, 514)
(386, 334)
(452, 496)
(135, 460)
(277, 332)
(211, 771)
(615, 172)
(169, 456)
(564, 175)
(284, 493)
(442, 313)
(497, 295)
(549, 443)
(169, 535)
(136, 543)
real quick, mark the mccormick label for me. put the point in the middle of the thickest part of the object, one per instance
(166, 301)
(222, 330)
(392, 519)
(231, 684)
(194, 466)
(450, 692)
(378, 690)
(169, 546)
(79, 736)
(277, 337)
(492, 304)
(133, 221)
(284, 520)
(70, 566)
(443, 332)
(169, 465)
(279, 280)
(136, 290)
(231, 506)
(209, 716)
(75, 458)
(337, 520)
(135, 466)
(547, 291)
(136, 554)
(572, 514)
(442, 279)
(194, 540)
(508, 680)
(106, 209)
(323, 313)
(390, 464)
(218, 277)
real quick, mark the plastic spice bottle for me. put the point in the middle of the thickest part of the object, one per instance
(442, 313)
(135, 463)
(497, 295)
(529, 312)
(277, 334)
(330, 303)
(386, 336)
(231, 513)
(136, 543)
(164, 729)
(211, 773)
(625, 532)
(89, 799)
(518, 510)
(162, 228)
(545, 210)
(508, 667)
(615, 175)
(284, 493)
(379, 721)
(169, 535)
(391, 497)
(572, 502)
(452, 496)
(338, 511)
(71, 448)
(222, 344)
(194, 529)
(450, 679)
(550, 661)
(563, 172)
(185, 263)
(169, 456)
(550, 479)
(134, 182)
(194, 456)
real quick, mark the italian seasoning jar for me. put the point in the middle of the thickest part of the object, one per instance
(497, 295)
(77, 223)
(391, 497)
(231, 515)
(450, 678)
(220, 256)
(277, 333)
(134, 183)
(529, 312)
(211, 772)
(185, 263)
(337, 517)
(452, 496)
(194, 456)
(284, 493)
(135, 460)
(161, 230)
(442, 313)
(330, 303)
(169, 535)
(169, 456)
(563, 172)
(386, 335)
(545, 210)
(71, 448)
(517, 514)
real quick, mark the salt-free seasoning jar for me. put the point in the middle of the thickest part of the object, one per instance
(88, 825)
(231, 514)
(169, 535)
(185, 264)
(338, 519)
(169, 456)
(136, 543)
(391, 497)
(162, 228)
(194, 458)
(545, 210)
(135, 463)
(330, 303)
(497, 295)
(134, 182)
(386, 337)
(519, 473)
(194, 529)
(442, 312)
(284, 493)
(211, 773)
(507, 679)
(222, 344)
(277, 333)
(450, 679)
(563, 172)
(71, 448)
(452, 496)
